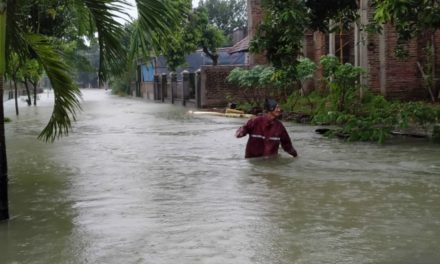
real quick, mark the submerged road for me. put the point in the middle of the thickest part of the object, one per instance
(144, 182)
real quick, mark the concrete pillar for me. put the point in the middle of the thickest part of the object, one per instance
(138, 81)
(192, 85)
(198, 88)
(331, 41)
(363, 43)
(164, 86)
(185, 86)
(357, 40)
(382, 63)
(173, 84)
(156, 87)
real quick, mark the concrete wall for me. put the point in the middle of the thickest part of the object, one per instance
(147, 90)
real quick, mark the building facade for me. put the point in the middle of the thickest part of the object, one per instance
(385, 74)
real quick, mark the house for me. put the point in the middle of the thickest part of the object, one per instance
(194, 62)
(386, 74)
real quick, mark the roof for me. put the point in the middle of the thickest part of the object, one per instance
(242, 45)
(193, 62)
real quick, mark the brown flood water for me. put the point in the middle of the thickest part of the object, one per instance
(143, 182)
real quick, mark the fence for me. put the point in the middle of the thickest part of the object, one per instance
(204, 88)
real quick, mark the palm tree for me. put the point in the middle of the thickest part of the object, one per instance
(31, 41)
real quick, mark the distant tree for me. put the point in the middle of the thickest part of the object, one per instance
(227, 15)
(410, 18)
(181, 42)
(33, 74)
(208, 36)
(13, 73)
(321, 12)
(282, 29)
(195, 32)
(281, 32)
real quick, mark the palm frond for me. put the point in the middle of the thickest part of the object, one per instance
(15, 41)
(67, 94)
(110, 32)
(158, 18)
(83, 19)
(140, 42)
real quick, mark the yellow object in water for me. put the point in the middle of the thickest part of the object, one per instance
(227, 114)
(233, 111)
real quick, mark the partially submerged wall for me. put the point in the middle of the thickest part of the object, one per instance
(147, 90)
(207, 88)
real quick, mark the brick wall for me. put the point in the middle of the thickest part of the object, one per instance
(403, 79)
(400, 79)
(255, 14)
(216, 91)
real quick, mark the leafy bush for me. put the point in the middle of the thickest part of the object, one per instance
(256, 84)
(120, 86)
(305, 69)
(368, 117)
(376, 118)
(343, 81)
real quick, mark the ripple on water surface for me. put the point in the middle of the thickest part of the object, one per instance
(142, 182)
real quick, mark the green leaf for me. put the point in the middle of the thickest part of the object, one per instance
(66, 93)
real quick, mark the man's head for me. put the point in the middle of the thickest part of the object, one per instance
(273, 108)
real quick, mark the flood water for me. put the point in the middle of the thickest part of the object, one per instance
(145, 182)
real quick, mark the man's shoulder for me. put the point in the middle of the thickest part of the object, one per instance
(258, 118)
(278, 123)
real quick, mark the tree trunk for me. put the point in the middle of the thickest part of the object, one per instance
(35, 92)
(214, 57)
(4, 209)
(16, 97)
(28, 91)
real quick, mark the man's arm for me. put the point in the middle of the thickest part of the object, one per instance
(286, 143)
(244, 130)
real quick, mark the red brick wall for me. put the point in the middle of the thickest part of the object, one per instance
(255, 15)
(373, 70)
(216, 91)
(403, 78)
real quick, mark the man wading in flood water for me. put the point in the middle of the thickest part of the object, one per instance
(266, 133)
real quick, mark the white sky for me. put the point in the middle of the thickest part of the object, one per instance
(133, 11)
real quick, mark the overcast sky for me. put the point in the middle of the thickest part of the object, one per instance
(133, 12)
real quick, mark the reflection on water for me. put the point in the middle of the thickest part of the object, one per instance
(142, 182)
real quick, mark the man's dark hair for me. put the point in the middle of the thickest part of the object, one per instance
(270, 104)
